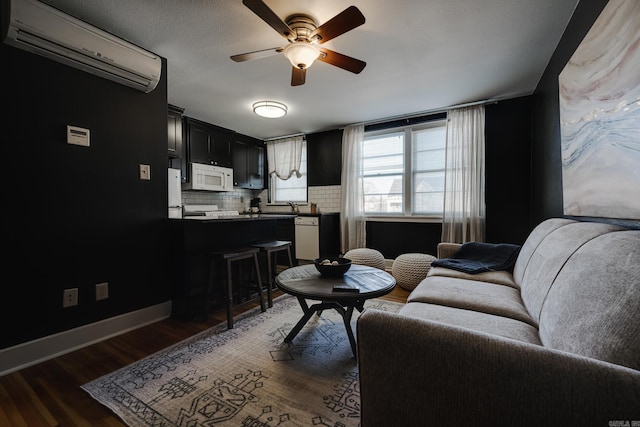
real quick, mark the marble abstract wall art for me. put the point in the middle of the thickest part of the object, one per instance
(600, 117)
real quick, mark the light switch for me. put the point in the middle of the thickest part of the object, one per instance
(145, 172)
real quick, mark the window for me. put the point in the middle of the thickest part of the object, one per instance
(293, 189)
(403, 170)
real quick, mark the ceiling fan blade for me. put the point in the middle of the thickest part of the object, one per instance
(343, 61)
(298, 76)
(256, 54)
(269, 16)
(346, 20)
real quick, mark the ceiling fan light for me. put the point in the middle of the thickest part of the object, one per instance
(301, 54)
(270, 109)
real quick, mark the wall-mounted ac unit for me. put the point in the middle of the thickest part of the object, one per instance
(41, 29)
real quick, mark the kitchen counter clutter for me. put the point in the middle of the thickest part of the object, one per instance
(239, 217)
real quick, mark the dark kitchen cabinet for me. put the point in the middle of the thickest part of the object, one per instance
(325, 148)
(248, 162)
(208, 144)
(174, 129)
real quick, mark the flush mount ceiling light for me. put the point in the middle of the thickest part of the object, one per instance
(270, 109)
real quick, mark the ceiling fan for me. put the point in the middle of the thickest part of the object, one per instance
(304, 36)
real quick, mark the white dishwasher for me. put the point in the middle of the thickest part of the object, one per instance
(307, 229)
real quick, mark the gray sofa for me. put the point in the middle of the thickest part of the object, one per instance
(556, 342)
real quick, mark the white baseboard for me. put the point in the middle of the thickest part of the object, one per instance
(33, 352)
(388, 263)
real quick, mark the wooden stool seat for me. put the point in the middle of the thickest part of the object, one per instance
(227, 257)
(269, 248)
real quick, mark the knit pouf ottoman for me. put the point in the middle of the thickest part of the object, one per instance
(366, 256)
(411, 269)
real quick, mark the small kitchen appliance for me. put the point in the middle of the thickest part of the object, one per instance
(255, 205)
(209, 178)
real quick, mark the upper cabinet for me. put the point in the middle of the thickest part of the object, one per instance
(174, 128)
(325, 148)
(208, 144)
(248, 162)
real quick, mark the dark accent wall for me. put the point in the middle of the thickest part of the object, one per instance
(397, 238)
(78, 216)
(324, 158)
(546, 158)
(508, 170)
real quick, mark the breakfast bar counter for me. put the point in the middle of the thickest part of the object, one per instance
(192, 241)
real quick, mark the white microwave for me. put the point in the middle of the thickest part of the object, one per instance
(210, 178)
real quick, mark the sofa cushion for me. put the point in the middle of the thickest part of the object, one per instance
(549, 258)
(593, 307)
(485, 297)
(497, 277)
(475, 320)
(536, 236)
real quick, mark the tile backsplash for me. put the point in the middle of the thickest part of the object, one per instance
(326, 197)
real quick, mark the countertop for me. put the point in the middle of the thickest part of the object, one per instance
(241, 217)
(317, 214)
(254, 217)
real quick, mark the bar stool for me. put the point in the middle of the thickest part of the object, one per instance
(272, 248)
(227, 258)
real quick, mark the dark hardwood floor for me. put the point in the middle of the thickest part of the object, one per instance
(49, 393)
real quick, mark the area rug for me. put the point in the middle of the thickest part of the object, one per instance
(245, 376)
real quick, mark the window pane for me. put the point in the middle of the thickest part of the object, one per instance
(293, 189)
(387, 167)
(383, 169)
(383, 165)
(430, 139)
(428, 192)
(428, 170)
(429, 160)
(429, 203)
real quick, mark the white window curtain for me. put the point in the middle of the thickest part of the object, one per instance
(352, 220)
(284, 157)
(464, 203)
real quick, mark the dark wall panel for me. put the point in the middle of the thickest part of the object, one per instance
(396, 238)
(508, 170)
(324, 154)
(80, 215)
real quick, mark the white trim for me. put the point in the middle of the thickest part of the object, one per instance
(388, 265)
(33, 352)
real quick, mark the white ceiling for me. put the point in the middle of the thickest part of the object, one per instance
(421, 55)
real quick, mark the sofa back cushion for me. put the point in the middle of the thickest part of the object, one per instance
(593, 307)
(549, 257)
(531, 244)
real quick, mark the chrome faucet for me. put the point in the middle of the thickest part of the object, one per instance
(294, 207)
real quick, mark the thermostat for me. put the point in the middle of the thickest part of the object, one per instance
(77, 136)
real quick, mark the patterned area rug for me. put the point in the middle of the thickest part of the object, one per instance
(246, 376)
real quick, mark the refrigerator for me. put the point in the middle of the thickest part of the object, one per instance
(175, 194)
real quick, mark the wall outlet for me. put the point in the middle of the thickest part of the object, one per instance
(102, 291)
(145, 172)
(69, 297)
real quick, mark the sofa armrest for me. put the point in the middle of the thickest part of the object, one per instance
(446, 249)
(419, 372)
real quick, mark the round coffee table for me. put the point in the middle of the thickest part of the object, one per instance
(305, 282)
